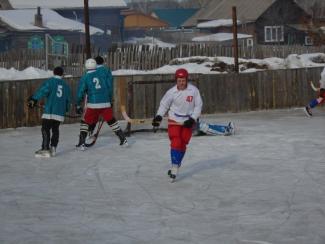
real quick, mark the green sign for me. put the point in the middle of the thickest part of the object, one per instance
(59, 45)
(35, 42)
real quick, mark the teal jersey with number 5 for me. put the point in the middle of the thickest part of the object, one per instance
(97, 88)
(58, 96)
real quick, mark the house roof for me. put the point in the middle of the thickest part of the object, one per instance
(174, 17)
(61, 4)
(222, 10)
(216, 23)
(135, 19)
(220, 37)
(315, 8)
(23, 20)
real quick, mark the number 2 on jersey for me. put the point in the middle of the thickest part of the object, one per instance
(97, 84)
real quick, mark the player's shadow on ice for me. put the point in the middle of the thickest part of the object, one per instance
(206, 165)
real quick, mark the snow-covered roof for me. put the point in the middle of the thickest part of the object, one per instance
(219, 37)
(216, 23)
(23, 20)
(61, 4)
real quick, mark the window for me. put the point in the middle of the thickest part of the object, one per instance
(250, 42)
(273, 34)
(308, 41)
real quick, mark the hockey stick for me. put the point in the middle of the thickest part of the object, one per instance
(141, 121)
(314, 87)
(95, 136)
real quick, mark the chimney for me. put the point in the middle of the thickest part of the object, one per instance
(38, 18)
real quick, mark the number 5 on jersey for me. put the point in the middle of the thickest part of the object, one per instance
(59, 91)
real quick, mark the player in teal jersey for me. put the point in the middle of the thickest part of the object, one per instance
(58, 96)
(98, 89)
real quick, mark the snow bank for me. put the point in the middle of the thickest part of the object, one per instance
(26, 74)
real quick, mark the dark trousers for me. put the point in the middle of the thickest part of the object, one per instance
(47, 126)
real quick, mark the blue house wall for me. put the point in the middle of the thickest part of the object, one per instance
(103, 18)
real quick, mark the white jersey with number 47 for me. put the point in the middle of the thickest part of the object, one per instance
(181, 104)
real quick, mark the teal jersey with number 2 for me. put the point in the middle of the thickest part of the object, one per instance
(97, 88)
(58, 96)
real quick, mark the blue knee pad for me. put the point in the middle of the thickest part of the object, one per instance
(313, 103)
(176, 156)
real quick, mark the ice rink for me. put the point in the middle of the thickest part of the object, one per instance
(264, 185)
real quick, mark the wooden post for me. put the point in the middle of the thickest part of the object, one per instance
(87, 35)
(235, 39)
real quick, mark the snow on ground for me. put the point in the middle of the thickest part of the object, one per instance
(264, 185)
(194, 64)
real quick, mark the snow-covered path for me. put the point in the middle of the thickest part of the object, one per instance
(264, 185)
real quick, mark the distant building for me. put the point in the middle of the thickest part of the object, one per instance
(269, 21)
(103, 14)
(26, 29)
(137, 24)
(174, 17)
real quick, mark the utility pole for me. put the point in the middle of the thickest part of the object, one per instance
(87, 35)
(235, 39)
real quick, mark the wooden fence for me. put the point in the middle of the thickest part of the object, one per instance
(141, 94)
(146, 58)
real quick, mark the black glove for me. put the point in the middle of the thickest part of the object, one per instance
(156, 121)
(79, 109)
(31, 102)
(189, 123)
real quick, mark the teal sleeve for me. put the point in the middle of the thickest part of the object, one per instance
(43, 91)
(81, 91)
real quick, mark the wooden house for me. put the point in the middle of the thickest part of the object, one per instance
(26, 29)
(103, 14)
(137, 24)
(269, 21)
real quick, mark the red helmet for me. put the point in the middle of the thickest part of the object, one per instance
(181, 73)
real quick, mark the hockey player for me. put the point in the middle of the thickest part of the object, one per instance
(321, 96)
(57, 94)
(107, 73)
(183, 103)
(98, 89)
(204, 128)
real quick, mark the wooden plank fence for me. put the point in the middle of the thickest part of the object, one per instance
(146, 58)
(141, 94)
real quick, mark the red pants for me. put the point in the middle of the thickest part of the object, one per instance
(92, 115)
(179, 137)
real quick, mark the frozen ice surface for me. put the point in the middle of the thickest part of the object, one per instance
(264, 185)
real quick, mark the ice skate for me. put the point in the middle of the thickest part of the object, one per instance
(42, 153)
(123, 140)
(53, 151)
(230, 130)
(308, 112)
(82, 139)
(124, 143)
(172, 173)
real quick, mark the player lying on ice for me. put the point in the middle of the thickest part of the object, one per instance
(205, 128)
